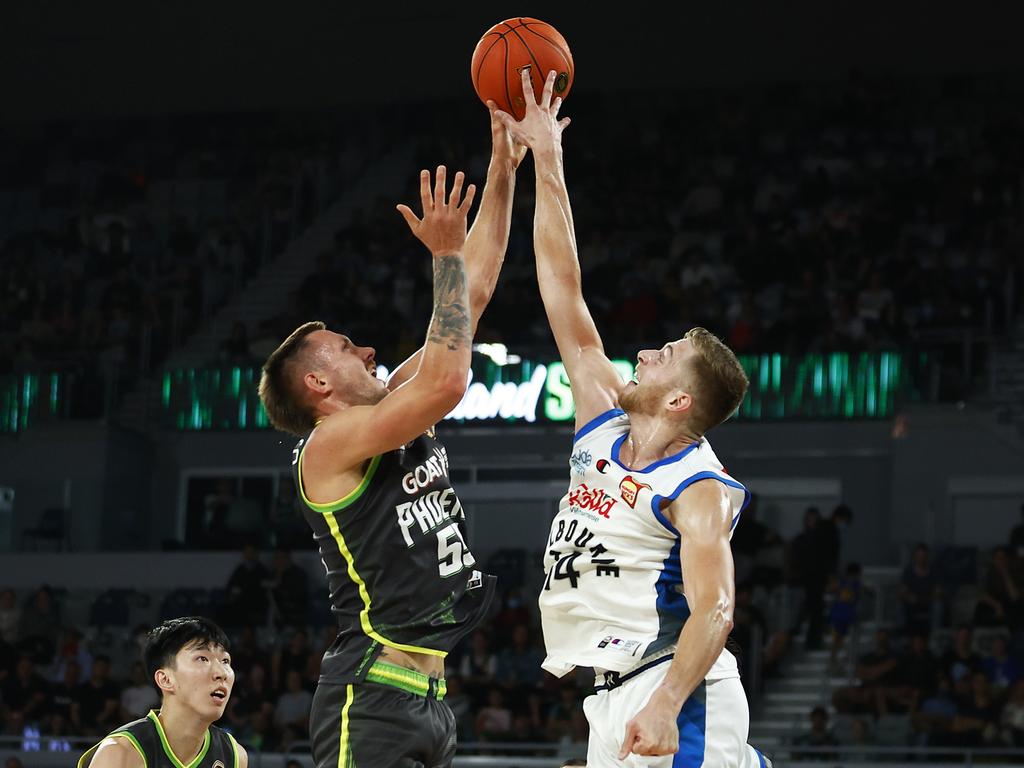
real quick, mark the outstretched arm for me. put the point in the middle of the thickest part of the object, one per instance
(594, 380)
(350, 436)
(488, 237)
(703, 516)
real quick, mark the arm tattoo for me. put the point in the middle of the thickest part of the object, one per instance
(450, 324)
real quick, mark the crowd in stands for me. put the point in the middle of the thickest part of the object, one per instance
(938, 683)
(854, 216)
(118, 240)
(798, 218)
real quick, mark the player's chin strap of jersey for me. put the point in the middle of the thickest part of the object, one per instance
(609, 680)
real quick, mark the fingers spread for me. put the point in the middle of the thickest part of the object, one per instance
(410, 217)
(468, 200)
(460, 177)
(439, 183)
(549, 87)
(527, 86)
(425, 197)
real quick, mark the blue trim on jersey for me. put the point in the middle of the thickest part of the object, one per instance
(651, 467)
(760, 757)
(596, 422)
(673, 610)
(692, 724)
(706, 475)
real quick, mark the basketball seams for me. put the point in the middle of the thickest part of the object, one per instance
(483, 58)
(553, 44)
(536, 64)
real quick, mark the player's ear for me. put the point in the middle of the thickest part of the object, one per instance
(315, 381)
(164, 680)
(680, 402)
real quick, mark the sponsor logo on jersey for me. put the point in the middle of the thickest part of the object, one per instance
(619, 644)
(629, 489)
(427, 472)
(579, 461)
(218, 764)
(601, 466)
(584, 498)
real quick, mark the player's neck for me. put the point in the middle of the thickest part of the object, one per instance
(651, 439)
(184, 729)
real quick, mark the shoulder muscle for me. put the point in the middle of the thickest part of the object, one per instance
(117, 752)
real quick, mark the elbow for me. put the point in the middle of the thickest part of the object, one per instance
(451, 388)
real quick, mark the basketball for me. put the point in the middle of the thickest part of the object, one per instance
(506, 48)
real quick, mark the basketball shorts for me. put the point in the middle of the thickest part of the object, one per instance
(396, 719)
(713, 722)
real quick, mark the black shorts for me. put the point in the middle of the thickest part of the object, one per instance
(396, 719)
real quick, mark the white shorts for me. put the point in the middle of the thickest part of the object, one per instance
(713, 724)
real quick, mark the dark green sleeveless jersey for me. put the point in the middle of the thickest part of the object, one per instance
(399, 569)
(147, 736)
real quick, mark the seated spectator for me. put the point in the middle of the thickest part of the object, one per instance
(919, 592)
(933, 721)
(10, 617)
(916, 673)
(478, 664)
(295, 656)
(24, 694)
(139, 696)
(842, 615)
(64, 693)
(71, 648)
(1002, 669)
(97, 701)
(513, 613)
(1017, 537)
(40, 626)
(245, 653)
(1012, 719)
(290, 590)
(292, 710)
(975, 724)
(1002, 602)
(960, 661)
(820, 735)
(494, 722)
(518, 666)
(252, 698)
(876, 671)
(461, 706)
(247, 590)
(234, 350)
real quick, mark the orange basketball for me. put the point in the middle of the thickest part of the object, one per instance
(506, 48)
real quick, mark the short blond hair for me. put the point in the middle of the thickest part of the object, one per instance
(280, 396)
(720, 382)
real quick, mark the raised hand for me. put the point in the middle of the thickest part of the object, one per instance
(540, 129)
(504, 148)
(443, 226)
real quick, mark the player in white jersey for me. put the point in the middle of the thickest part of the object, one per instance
(640, 576)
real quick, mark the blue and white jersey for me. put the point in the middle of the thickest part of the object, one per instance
(614, 589)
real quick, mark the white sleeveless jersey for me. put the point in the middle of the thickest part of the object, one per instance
(613, 592)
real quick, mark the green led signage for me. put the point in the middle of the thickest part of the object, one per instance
(505, 388)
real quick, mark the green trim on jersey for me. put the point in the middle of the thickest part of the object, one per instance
(364, 615)
(408, 680)
(234, 749)
(167, 747)
(345, 748)
(346, 500)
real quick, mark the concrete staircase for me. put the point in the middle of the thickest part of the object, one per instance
(270, 290)
(804, 682)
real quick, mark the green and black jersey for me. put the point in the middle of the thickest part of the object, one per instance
(147, 736)
(399, 569)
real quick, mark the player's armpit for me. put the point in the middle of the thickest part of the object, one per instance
(243, 756)
(116, 753)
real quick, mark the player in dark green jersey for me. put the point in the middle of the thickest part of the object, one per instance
(188, 660)
(374, 484)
